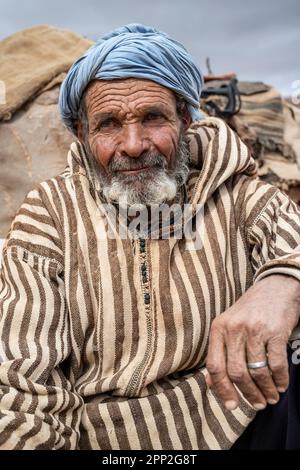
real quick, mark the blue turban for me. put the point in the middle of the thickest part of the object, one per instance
(133, 51)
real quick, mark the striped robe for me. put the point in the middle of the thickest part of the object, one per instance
(103, 341)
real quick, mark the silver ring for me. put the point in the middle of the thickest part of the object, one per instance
(257, 365)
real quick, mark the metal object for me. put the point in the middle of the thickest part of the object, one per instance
(227, 89)
(257, 365)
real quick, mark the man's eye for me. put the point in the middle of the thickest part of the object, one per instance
(153, 117)
(108, 123)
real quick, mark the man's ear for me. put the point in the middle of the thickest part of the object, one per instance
(79, 131)
(186, 120)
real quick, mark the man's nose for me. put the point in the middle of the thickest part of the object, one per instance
(134, 141)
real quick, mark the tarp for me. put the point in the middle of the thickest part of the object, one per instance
(33, 59)
(34, 147)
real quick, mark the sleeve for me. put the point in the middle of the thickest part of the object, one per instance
(273, 235)
(39, 408)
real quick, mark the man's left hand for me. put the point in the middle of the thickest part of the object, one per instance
(255, 329)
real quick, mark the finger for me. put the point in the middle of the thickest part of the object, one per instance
(256, 352)
(278, 363)
(238, 371)
(216, 366)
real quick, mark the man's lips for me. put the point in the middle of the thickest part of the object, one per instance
(135, 171)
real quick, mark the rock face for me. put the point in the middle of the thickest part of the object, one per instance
(34, 147)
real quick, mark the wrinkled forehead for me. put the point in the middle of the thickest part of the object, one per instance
(127, 92)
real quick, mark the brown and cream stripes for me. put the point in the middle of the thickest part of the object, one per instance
(104, 341)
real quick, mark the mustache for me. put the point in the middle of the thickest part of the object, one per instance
(146, 159)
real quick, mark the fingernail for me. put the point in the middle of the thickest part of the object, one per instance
(259, 406)
(231, 405)
(272, 401)
(281, 389)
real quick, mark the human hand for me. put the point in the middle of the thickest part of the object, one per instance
(257, 327)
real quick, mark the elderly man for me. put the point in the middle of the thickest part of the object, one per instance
(131, 339)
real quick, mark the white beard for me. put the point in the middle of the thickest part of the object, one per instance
(156, 187)
(161, 189)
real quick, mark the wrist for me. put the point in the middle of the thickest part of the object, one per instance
(284, 286)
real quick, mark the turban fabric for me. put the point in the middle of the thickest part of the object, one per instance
(133, 51)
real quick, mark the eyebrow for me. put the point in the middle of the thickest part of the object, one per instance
(159, 108)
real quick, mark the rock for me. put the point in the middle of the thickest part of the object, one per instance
(34, 147)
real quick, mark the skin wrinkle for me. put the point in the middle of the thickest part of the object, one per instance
(136, 93)
(134, 130)
(94, 101)
(135, 97)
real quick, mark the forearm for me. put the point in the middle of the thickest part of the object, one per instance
(39, 407)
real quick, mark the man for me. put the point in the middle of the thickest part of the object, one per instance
(146, 340)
